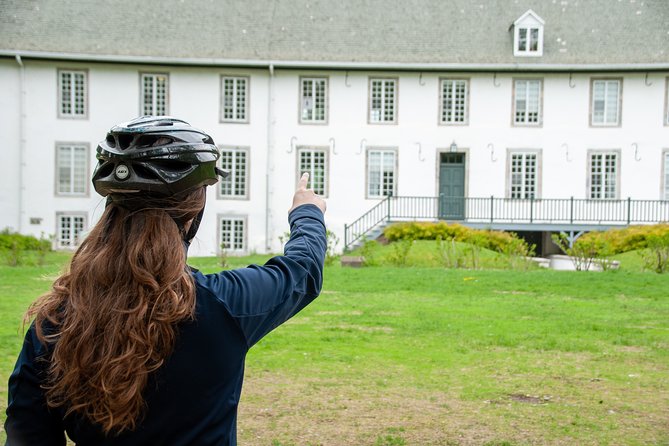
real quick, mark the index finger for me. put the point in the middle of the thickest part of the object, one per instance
(304, 180)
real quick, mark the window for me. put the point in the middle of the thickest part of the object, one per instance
(523, 175)
(235, 161)
(154, 94)
(527, 102)
(234, 99)
(454, 97)
(233, 233)
(383, 100)
(381, 169)
(314, 161)
(313, 104)
(665, 169)
(603, 175)
(71, 169)
(528, 35)
(70, 227)
(72, 94)
(605, 107)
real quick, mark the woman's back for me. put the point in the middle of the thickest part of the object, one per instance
(184, 369)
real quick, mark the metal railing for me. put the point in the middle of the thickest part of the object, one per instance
(491, 210)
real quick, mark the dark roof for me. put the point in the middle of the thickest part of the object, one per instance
(340, 32)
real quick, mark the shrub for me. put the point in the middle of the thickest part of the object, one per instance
(14, 240)
(585, 250)
(656, 256)
(493, 240)
(331, 252)
(449, 253)
(400, 253)
(370, 252)
(14, 246)
(518, 251)
(628, 239)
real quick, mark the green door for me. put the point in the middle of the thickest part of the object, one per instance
(452, 186)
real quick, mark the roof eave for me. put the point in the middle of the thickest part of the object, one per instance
(334, 65)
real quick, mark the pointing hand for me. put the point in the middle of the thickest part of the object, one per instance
(306, 196)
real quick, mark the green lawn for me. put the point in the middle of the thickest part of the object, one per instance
(428, 356)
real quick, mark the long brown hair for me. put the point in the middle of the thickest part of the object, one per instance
(111, 319)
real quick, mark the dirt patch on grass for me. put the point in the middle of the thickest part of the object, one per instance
(276, 410)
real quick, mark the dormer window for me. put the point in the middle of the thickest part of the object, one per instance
(528, 35)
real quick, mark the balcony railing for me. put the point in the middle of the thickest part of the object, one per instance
(500, 211)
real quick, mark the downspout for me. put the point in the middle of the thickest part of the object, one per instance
(22, 137)
(270, 164)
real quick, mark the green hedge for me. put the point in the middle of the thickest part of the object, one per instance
(627, 239)
(15, 241)
(494, 240)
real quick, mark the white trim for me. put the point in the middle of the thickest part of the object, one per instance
(301, 108)
(326, 167)
(293, 64)
(395, 152)
(154, 87)
(245, 232)
(72, 72)
(617, 176)
(77, 237)
(233, 173)
(84, 180)
(235, 110)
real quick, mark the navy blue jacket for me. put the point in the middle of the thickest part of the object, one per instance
(192, 399)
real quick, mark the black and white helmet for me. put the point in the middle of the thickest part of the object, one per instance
(158, 155)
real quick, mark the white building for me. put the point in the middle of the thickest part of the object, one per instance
(555, 109)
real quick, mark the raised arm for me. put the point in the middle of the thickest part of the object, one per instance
(261, 298)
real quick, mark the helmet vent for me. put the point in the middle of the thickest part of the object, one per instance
(124, 141)
(172, 165)
(105, 170)
(111, 142)
(153, 141)
(143, 172)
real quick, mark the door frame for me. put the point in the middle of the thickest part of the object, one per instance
(440, 150)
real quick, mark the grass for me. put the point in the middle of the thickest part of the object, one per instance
(394, 356)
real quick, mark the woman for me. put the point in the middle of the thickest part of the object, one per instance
(133, 347)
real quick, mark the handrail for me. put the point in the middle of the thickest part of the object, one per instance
(368, 221)
(492, 210)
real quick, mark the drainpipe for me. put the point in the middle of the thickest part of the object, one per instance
(270, 164)
(22, 136)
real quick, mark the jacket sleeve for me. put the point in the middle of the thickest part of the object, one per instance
(260, 298)
(29, 420)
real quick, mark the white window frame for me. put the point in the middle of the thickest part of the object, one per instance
(384, 151)
(526, 92)
(235, 220)
(234, 179)
(664, 193)
(372, 118)
(608, 178)
(70, 94)
(237, 102)
(528, 23)
(463, 102)
(154, 97)
(74, 236)
(607, 105)
(322, 188)
(82, 181)
(312, 102)
(523, 193)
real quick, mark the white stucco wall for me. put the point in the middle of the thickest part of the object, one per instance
(10, 96)
(194, 95)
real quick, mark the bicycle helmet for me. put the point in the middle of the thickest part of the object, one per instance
(155, 155)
